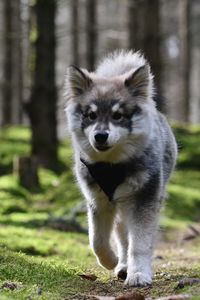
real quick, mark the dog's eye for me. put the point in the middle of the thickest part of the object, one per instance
(117, 116)
(136, 110)
(92, 116)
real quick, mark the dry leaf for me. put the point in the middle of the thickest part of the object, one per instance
(187, 281)
(104, 298)
(9, 285)
(90, 277)
(131, 296)
(127, 296)
(174, 297)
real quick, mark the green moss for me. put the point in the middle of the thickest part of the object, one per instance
(188, 139)
(30, 274)
(14, 142)
(184, 188)
(184, 202)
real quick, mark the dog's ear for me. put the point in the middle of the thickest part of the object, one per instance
(78, 81)
(138, 81)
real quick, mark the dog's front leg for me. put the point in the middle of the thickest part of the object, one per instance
(141, 234)
(100, 226)
(122, 248)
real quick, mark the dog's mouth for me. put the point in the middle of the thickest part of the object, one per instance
(102, 148)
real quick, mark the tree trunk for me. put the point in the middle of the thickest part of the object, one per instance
(74, 31)
(185, 65)
(91, 33)
(42, 105)
(135, 26)
(195, 61)
(7, 67)
(152, 39)
(17, 64)
(27, 170)
(144, 35)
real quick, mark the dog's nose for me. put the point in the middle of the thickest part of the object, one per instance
(101, 137)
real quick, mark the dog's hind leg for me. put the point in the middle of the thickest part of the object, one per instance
(100, 227)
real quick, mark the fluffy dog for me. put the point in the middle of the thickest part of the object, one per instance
(124, 153)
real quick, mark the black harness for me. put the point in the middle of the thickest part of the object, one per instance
(108, 176)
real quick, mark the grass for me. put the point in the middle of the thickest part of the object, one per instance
(56, 276)
(40, 256)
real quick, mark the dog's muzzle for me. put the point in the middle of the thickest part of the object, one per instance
(101, 138)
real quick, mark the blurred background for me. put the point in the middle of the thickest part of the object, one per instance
(38, 40)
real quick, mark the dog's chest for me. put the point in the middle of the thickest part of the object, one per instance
(107, 176)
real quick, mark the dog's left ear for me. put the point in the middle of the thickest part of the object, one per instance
(138, 81)
(78, 81)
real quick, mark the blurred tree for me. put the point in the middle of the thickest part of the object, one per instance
(17, 63)
(195, 61)
(185, 53)
(42, 106)
(152, 38)
(91, 33)
(135, 26)
(144, 34)
(13, 61)
(74, 31)
(7, 66)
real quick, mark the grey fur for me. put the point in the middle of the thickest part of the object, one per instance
(124, 182)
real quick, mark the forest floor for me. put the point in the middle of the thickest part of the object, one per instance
(42, 256)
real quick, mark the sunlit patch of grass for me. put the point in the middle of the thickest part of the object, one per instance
(14, 143)
(15, 133)
(169, 223)
(188, 177)
(69, 247)
(57, 276)
(43, 260)
(186, 202)
(188, 138)
(31, 274)
(58, 194)
(184, 195)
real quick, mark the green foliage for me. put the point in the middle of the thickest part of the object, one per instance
(184, 188)
(34, 276)
(188, 138)
(14, 142)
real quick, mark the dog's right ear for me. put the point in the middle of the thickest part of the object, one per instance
(78, 81)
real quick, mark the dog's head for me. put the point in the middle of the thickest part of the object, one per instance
(109, 117)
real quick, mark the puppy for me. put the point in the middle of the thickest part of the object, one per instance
(124, 154)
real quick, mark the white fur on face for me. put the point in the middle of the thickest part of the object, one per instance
(93, 107)
(117, 135)
(74, 121)
(116, 108)
(89, 132)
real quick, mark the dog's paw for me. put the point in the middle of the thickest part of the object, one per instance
(138, 279)
(121, 271)
(106, 261)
